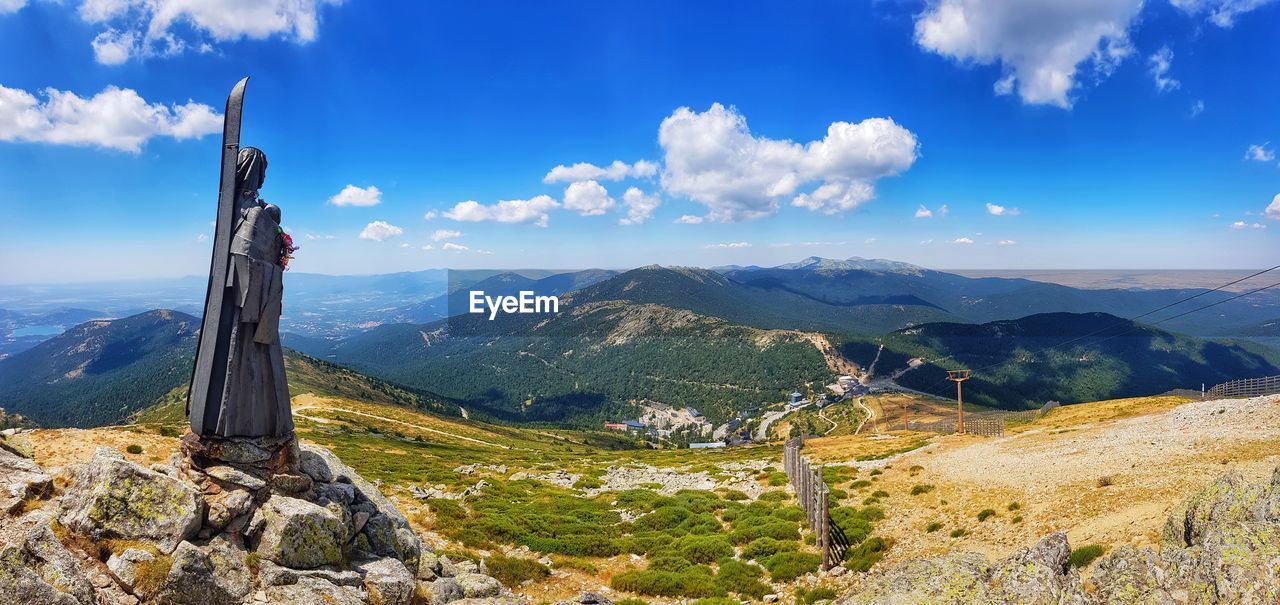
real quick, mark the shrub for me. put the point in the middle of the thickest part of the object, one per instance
(921, 488)
(867, 554)
(734, 495)
(763, 548)
(875, 472)
(932, 527)
(855, 522)
(669, 562)
(789, 513)
(835, 495)
(879, 494)
(1085, 554)
(738, 577)
(588, 483)
(692, 582)
(1013, 506)
(446, 510)
(1106, 480)
(985, 514)
(774, 496)
(870, 500)
(717, 601)
(151, 575)
(705, 549)
(777, 479)
(133, 448)
(959, 532)
(640, 499)
(813, 595)
(859, 484)
(915, 468)
(1016, 519)
(776, 529)
(787, 566)
(665, 517)
(512, 571)
(626, 601)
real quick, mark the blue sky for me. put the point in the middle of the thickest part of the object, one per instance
(1056, 133)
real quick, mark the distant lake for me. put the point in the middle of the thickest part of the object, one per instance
(37, 331)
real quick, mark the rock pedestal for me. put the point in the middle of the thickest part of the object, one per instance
(258, 456)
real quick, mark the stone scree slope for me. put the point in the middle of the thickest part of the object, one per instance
(1220, 546)
(177, 535)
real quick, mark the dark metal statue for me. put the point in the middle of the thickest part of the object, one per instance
(238, 386)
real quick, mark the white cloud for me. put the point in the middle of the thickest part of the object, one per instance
(506, 211)
(869, 241)
(926, 242)
(1040, 45)
(998, 210)
(112, 47)
(688, 219)
(157, 28)
(1197, 107)
(924, 211)
(1159, 69)
(961, 240)
(380, 230)
(313, 237)
(1273, 209)
(587, 198)
(355, 196)
(713, 159)
(444, 234)
(1008, 242)
(202, 237)
(1260, 153)
(1244, 225)
(1222, 13)
(640, 206)
(11, 6)
(430, 215)
(452, 247)
(115, 118)
(729, 245)
(583, 171)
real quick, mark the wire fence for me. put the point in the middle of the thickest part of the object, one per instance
(815, 499)
(1247, 387)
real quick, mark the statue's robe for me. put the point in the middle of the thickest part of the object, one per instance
(253, 398)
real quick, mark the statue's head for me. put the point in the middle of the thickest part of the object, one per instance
(251, 168)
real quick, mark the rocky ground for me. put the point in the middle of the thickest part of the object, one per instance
(109, 531)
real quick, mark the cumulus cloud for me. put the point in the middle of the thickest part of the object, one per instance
(116, 118)
(316, 236)
(1244, 225)
(1222, 13)
(452, 247)
(506, 211)
(430, 215)
(587, 198)
(688, 219)
(1273, 209)
(355, 196)
(1040, 45)
(379, 231)
(998, 210)
(961, 240)
(157, 28)
(1159, 69)
(924, 212)
(1260, 153)
(445, 234)
(713, 159)
(618, 170)
(729, 245)
(11, 6)
(640, 206)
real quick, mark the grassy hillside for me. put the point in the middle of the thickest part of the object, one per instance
(1126, 360)
(100, 372)
(590, 363)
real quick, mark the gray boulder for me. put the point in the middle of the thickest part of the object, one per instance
(36, 568)
(216, 574)
(387, 532)
(1136, 575)
(20, 480)
(311, 591)
(270, 574)
(296, 533)
(954, 578)
(114, 498)
(475, 585)
(126, 566)
(445, 590)
(388, 581)
(1038, 575)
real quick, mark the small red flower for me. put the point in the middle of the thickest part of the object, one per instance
(286, 249)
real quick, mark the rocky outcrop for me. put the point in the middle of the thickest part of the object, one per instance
(20, 480)
(113, 498)
(295, 526)
(1220, 546)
